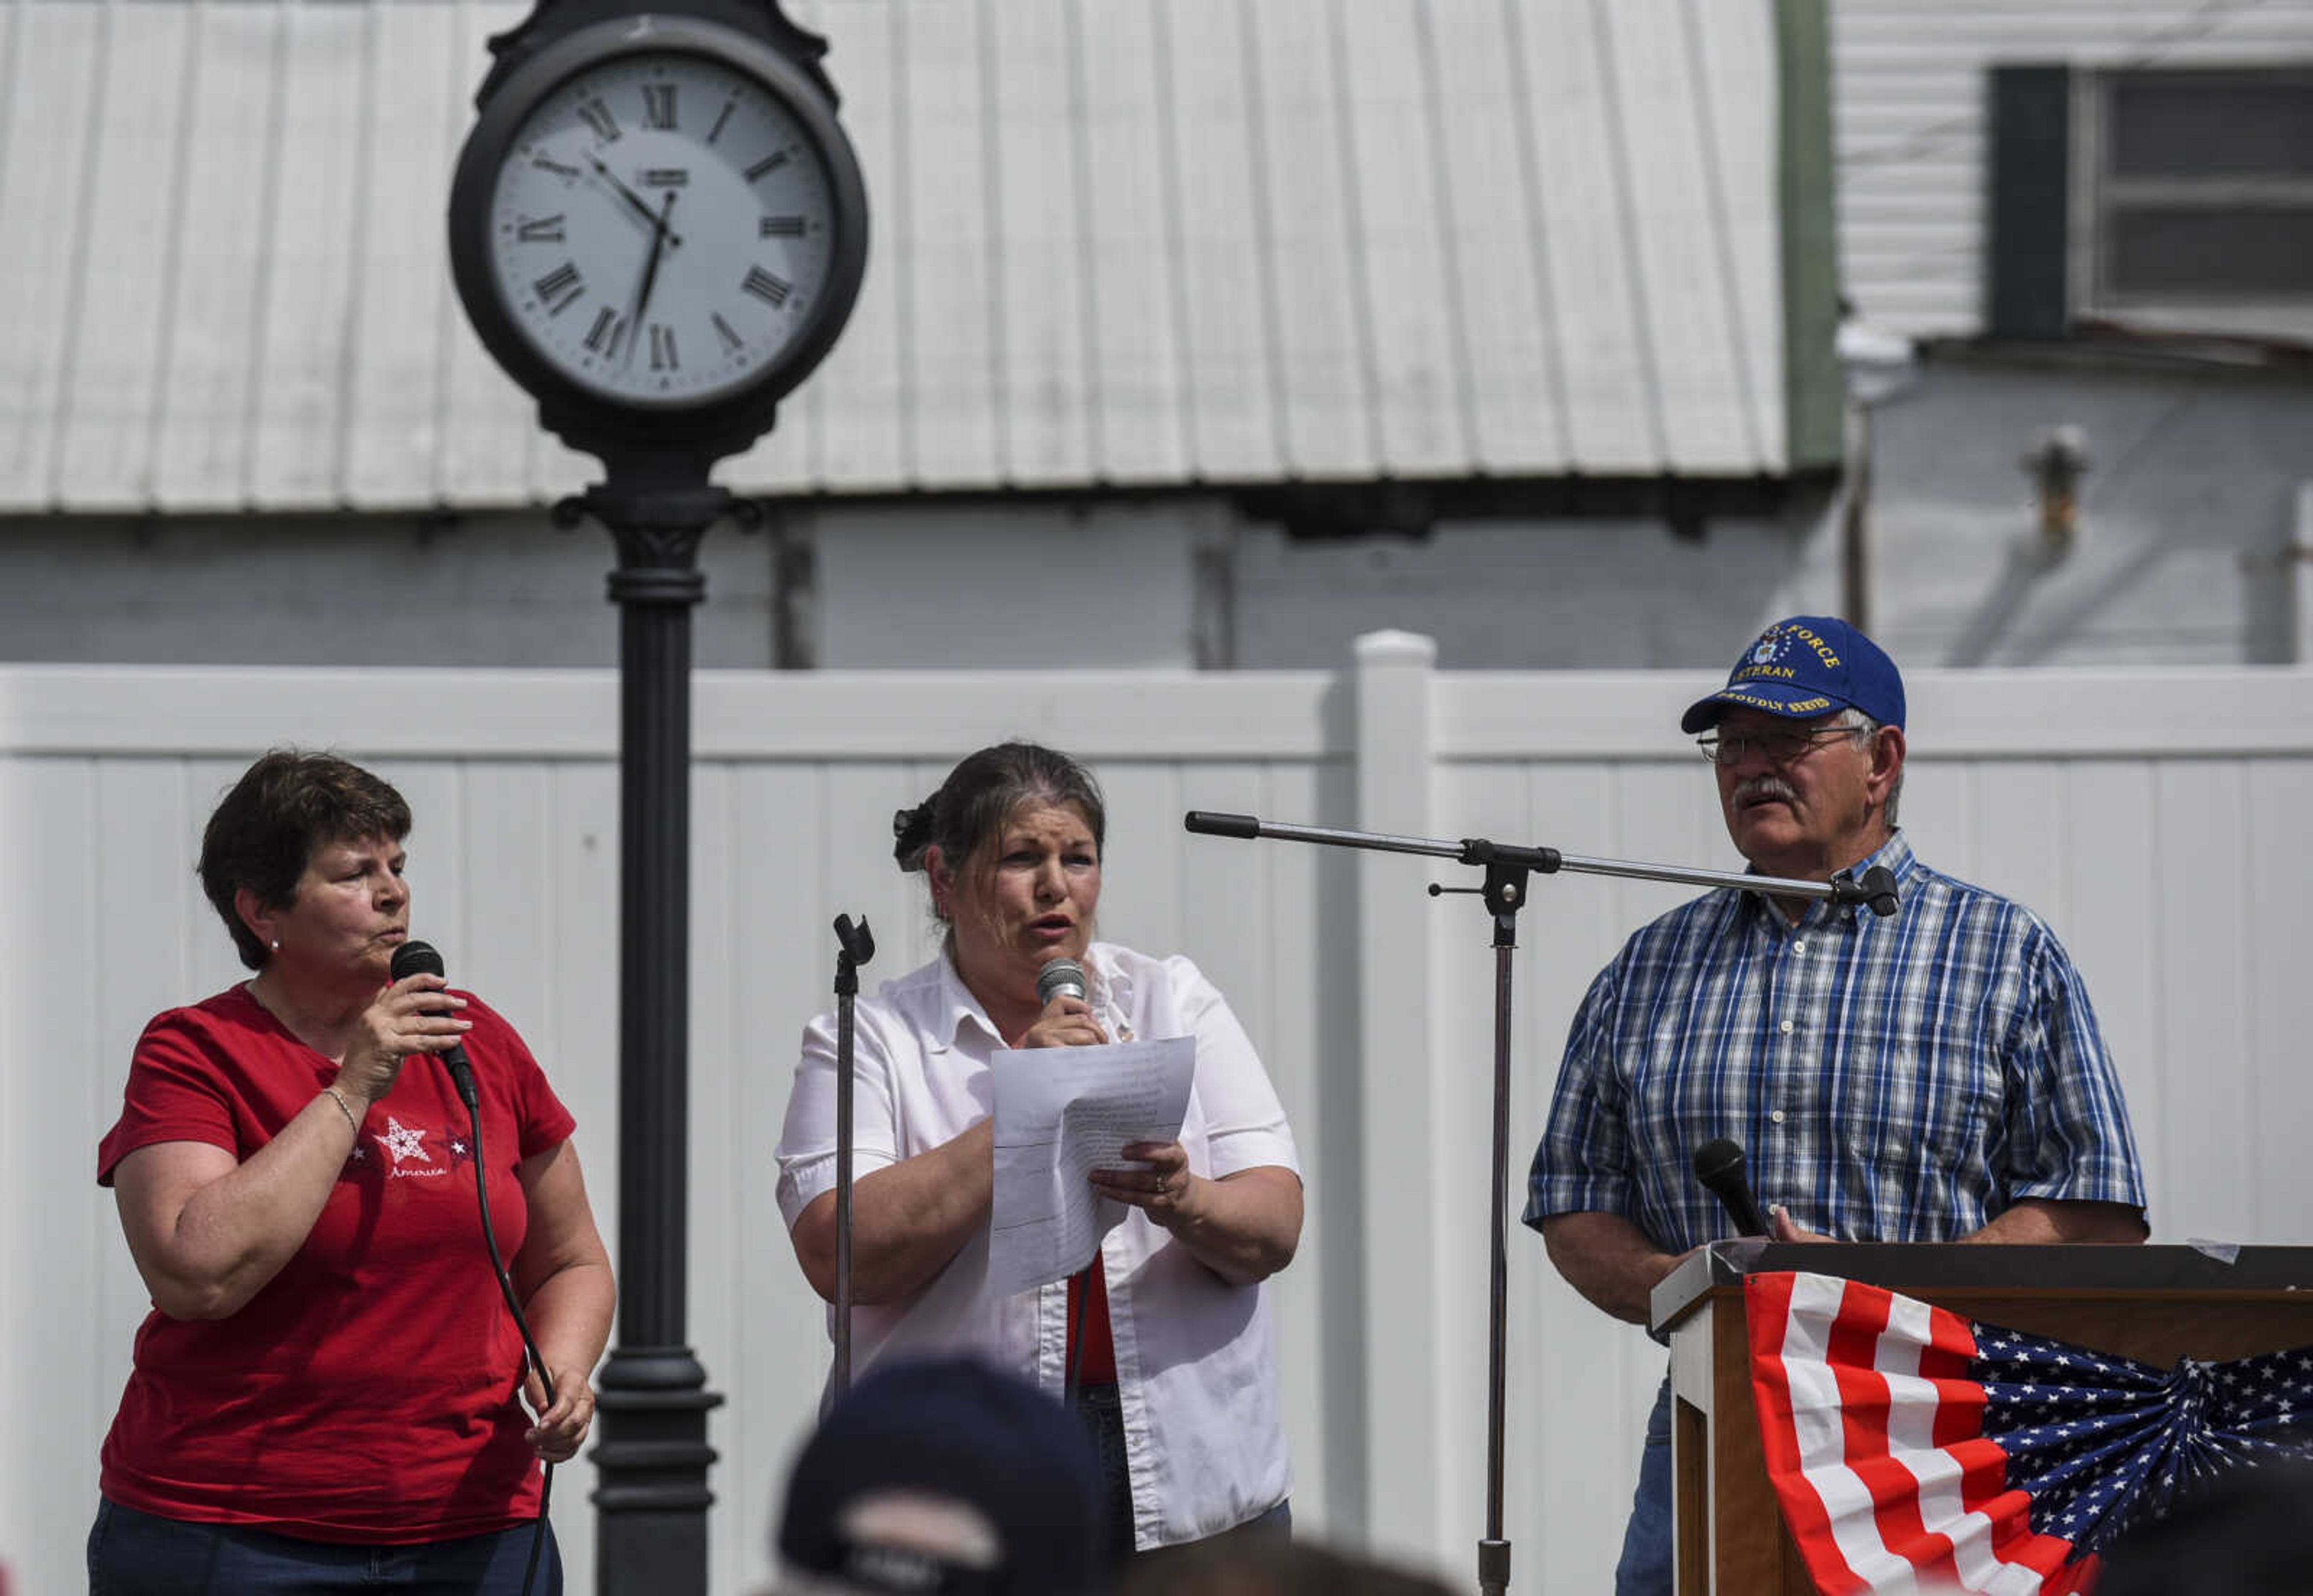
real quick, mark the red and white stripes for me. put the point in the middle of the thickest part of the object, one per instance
(1873, 1439)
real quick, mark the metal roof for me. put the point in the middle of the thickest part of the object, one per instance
(1116, 242)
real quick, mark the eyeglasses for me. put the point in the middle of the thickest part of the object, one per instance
(1781, 747)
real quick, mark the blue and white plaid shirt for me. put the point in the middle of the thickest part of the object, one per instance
(1896, 1080)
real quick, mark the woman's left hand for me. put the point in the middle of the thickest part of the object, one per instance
(560, 1430)
(1160, 1185)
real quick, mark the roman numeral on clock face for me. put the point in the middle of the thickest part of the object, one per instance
(558, 287)
(772, 291)
(658, 106)
(732, 342)
(663, 357)
(597, 116)
(539, 230)
(768, 164)
(603, 338)
(781, 227)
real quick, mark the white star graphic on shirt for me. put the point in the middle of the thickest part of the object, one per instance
(403, 1142)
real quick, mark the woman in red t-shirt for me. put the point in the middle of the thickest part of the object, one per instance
(329, 1380)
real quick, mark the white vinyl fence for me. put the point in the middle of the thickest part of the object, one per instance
(2156, 819)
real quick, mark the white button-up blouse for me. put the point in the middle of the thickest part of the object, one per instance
(1196, 1361)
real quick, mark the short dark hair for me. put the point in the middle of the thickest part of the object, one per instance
(984, 791)
(284, 808)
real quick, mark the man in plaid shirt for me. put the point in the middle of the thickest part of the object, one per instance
(1936, 1076)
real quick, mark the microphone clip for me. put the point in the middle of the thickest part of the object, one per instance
(1875, 891)
(854, 946)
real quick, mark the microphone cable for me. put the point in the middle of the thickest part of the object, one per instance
(514, 1306)
(418, 957)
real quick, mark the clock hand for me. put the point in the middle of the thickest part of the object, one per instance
(640, 205)
(661, 242)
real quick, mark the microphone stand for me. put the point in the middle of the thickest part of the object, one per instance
(856, 945)
(1507, 866)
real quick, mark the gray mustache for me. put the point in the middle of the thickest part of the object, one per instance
(1764, 786)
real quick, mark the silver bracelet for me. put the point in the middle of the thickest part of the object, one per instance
(346, 1107)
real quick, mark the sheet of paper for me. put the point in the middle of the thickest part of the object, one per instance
(1060, 1114)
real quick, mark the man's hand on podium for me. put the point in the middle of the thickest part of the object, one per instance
(1783, 1227)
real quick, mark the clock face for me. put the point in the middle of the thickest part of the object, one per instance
(662, 227)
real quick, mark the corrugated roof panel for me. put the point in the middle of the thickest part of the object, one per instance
(1224, 289)
(1138, 434)
(52, 115)
(1044, 378)
(949, 312)
(1401, 266)
(489, 448)
(201, 432)
(127, 263)
(861, 440)
(1677, 235)
(1114, 240)
(1588, 245)
(1326, 382)
(1738, 77)
(416, 121)
(1908, 85)
(1510, 369)
(312, 267)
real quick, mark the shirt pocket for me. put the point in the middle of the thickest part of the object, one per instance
(1918, 1116)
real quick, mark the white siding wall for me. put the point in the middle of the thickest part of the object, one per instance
(2155, 819)
(1908, 81)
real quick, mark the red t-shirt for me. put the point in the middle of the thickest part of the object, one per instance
(370, 1391)
(1094, 1349)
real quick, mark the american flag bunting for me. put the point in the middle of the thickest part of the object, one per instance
(1913, 1449)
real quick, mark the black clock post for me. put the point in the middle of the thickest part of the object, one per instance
(572, 258)
(652, 1398)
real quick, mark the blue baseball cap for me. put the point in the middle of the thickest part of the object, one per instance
(1804, 667)
(955, 1431)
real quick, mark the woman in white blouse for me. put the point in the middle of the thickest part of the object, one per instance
(1177, 1364)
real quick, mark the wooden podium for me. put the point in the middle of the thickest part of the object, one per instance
(2156, 1304)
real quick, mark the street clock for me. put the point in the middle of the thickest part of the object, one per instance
(657, 226)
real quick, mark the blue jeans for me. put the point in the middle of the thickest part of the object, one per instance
(1645, 1568)
(135, 1554)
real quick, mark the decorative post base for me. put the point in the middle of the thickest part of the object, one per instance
(650, 1507)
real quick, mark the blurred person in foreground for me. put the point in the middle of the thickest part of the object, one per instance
(1935, 1076)
(2245, 1531)
(1176, 1357)
(943, 1475)
(328, 1392)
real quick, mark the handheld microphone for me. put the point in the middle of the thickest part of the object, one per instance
(421, 958)
(1718, 1165)
(1061, 978)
